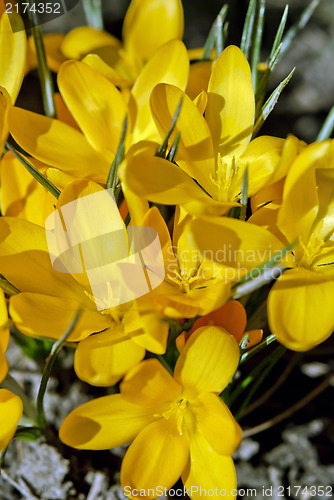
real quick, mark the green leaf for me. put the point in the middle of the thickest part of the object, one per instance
(328, 127)
(56, 348)
(28, 433)
(270, 103)
(112, 176)
(247, 33)
(244, 195)
(34, 172)
(263, 84)
(257, 282)
(300, 24)
(93, 13)
(216, 34)
(44, 73)
(174, 149)
(279, 33)
(257, 42)
(7, 287)
(161, 152)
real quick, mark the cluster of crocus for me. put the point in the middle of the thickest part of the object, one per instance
(174, 139)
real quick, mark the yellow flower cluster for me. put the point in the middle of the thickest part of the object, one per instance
(116, 105)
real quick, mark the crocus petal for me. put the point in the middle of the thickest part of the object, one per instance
(57, 144)
(161, 21)
(63, 113)
(216, 423)
(104, 423)
(156, 458)
(208, 471)
(300, 196)
(11, 409)
(3, 362)
(21, 195)
(169, 64)
(149, 384)
(207, 362)
(5, 104)
(231, 105)
(300, 309)
(52, 45)
(44, 316)
(13, 46)
(97, 64)
(231, 316)
(195, 153)
(147, 328)
(25, 262)
(199, 76)
(104, 358)
(95, 103)
(234, 243)
(84, 39)
(261, 157)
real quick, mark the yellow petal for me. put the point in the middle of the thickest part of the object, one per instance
(104, 423)
(262, 156)
(52, 45)
(195, 153)
(25, 261)
(231, 104)
(161, 21)
(97, 64)
(13, 46)
(44, 316)
(235, 244)
(156, 458)
(200, 101)
(208, 470)
(169, 64)
(104, 358)
(95, 103)
(147, 328)
(21, 195)
(63, 113)
(300, 196)
(207, 362)
(11, 409)
(149, 384)
(216, 423)
(57, 144)
(300, 311)
(84, 39)
(199, 76)
(5, 104)
(3, 361)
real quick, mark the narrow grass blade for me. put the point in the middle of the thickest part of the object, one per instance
(34, 172)
(328, 127)
(247, 33)
(257, 282)
(270, 103)
(163, 147)
(263, 84)
(112, 176)
(174, 149)
(211, 41)
(93, 13)
(257, 42)
(279, 33)
(7, 287)
(44, 73)
(244, 195)
(300, 24)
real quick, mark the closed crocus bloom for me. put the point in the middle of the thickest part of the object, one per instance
(300, 308)
(179, 426)
(10, 405)
(214, 150)
(49, 298)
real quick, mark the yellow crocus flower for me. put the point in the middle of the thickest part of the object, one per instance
(214, 150)
(300, 308)
(179, 426)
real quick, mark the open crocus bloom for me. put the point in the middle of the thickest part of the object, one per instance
(49, 299)
(213, 151)
(179, 425)
(148, 25)
(300, 308)
(10, 405)
(99, 110)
